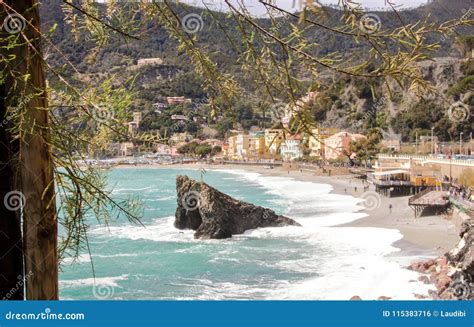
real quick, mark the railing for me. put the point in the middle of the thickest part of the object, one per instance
(419, 195)
(262, 163)
(441, 201)
(466, 204)
(430, 159)
(372, 179)
(391, 183)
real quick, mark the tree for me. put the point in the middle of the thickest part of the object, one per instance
(203, 150)
(189, 148)
(216, 150)
(366, 149)
(33, 172)
(34, 155)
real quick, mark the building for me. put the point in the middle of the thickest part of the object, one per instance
(177, 100)
(242, 146)
(273, 140)
(127, 149)
(213, 142)
(225, 150)
(134, 125)
(317, 138)
(179, 117)
(291, 148)
(257, 149)
(337, 145)
(180, 138)
(159, 106)
(290, 111)
(149, 61)
(392, 145)
(230, 153)
(162, 149)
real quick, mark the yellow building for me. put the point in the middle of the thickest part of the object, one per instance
(316, 140)
(273, 140)
(257, 149)
(245, 147)
(242, 142)
(231, 148)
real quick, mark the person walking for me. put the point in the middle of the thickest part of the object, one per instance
(390, 208)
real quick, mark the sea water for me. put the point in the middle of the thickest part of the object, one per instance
(316, 261)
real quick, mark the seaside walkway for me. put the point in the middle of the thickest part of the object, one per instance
(429, 199)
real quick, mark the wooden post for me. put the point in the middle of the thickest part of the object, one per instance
(37, 179)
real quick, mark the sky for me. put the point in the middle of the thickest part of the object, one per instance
(258, 9)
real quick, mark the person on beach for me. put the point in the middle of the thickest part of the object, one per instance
(390, 208)
(355, 189)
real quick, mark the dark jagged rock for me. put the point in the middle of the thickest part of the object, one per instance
(213, 214)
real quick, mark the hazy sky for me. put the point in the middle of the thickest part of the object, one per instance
(256, 8)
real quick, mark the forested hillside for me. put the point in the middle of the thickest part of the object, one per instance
(341, 101)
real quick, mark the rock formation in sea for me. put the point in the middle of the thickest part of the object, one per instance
(453, 273)
(213, 214)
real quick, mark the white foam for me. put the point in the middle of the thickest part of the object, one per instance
(159, 230)
(104, 281)
(358, 264)
(86, 258)
(307, 198)
(127, 190)
(347, 260)
(82, 258)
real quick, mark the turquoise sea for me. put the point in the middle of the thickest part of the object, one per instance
(316, 261)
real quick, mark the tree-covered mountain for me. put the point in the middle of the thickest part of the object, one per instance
(342, 100)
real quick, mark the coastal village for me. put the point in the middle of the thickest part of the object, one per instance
(425, 163)
(404, 185)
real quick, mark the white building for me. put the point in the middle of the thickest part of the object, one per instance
(291, 148)
(149, 61)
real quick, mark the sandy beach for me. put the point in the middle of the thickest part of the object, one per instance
(426, 235)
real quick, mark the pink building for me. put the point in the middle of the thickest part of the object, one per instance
(337, 145)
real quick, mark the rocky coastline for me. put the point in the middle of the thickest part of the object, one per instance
(452, 273)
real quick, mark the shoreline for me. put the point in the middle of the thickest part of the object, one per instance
(426, 236)
(413, 240)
